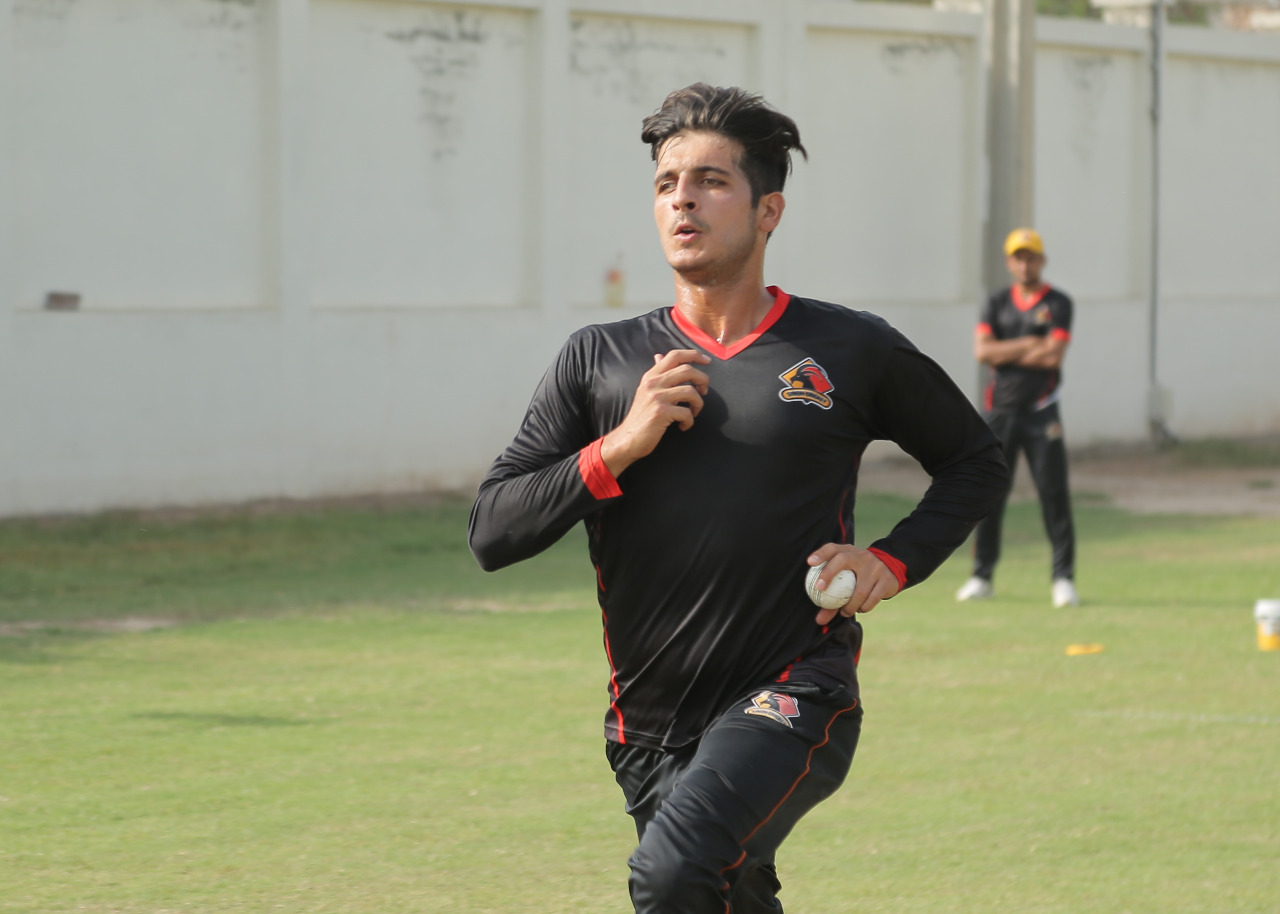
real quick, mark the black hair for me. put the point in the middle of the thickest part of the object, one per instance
(766, 135)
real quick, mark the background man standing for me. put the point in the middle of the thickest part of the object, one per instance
(1022, 338)
(711, 449)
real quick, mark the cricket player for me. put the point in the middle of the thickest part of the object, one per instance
(1022, 338)
(711, 450)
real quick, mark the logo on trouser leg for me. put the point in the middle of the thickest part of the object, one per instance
(775, 706)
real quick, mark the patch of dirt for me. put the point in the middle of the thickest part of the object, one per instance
(1153, 482)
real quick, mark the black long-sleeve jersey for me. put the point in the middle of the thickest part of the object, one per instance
(700, 547)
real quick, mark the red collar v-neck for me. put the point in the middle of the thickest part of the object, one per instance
(1026, 304)
(704, 341)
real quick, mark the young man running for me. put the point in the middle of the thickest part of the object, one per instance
(1023, 338)
(711, 450)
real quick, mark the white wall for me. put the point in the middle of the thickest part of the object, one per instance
(1219, 305)
(328, 246)
(1093, 207)
(1222, 242)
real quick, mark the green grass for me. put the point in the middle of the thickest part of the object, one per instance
(352, 718)
(210, 567)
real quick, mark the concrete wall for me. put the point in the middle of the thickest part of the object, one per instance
(328, 246)
(1219, 304)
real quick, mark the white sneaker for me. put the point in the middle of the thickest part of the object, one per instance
(976, 589)
(1064, 594)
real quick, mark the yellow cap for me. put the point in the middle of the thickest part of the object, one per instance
(1024, 239)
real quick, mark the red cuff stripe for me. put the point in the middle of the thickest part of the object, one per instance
(899, 570)
(595, 474)
(1059, 334)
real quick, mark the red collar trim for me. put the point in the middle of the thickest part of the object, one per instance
(1026, 304)
(724, 353)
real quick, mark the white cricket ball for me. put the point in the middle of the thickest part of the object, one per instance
(838, 591)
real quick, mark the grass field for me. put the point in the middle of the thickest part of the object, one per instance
(347, 716)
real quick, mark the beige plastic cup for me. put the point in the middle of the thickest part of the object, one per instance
(1267, 614)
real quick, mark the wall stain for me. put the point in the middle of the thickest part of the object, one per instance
(234, 28)
(43, 26)
(449, 50)
(232, 15)
(902, 57)
(618, 59)
(43, 9)
(47, 23)
(1089, 76)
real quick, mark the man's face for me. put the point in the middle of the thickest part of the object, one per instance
(1025, 266)
(702, 206)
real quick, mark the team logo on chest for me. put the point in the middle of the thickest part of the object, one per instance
(807, 381)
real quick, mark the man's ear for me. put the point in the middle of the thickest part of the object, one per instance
(769, 211)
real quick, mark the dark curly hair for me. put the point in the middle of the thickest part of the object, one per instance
(766, 135)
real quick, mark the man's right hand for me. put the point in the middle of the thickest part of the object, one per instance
(669, 393)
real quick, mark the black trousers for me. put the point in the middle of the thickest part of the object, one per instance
(710, 816)
(1039, 435)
